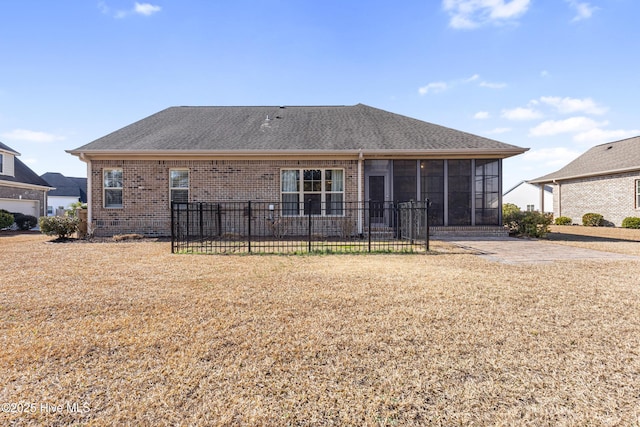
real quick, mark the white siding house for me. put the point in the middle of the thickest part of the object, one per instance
(527, 197)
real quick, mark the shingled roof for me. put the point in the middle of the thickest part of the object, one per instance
(66, 186)
(22, 174)
(604, 159)
(288, 129)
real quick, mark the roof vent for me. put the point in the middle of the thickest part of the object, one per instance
(610, 147)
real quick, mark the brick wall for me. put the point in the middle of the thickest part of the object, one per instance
(145, 199)
(611, 196)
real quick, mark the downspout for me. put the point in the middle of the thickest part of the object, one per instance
(360, 195)
(89, 194)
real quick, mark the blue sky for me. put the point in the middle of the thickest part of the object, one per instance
(556, 76)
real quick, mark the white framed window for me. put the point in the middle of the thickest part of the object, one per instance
(312, 191)
(112, 188)
(637, 193)
(179, 185)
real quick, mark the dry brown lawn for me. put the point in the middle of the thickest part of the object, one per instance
(127, 334)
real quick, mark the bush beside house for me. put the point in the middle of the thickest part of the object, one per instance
(592, 220)
(6, 219)
(529, 224)
(61, 226)
(631, 222)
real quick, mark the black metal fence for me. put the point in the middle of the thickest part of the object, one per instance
(267, 227)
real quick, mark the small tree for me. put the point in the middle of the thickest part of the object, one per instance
(6, 219)
(61, 226)
(73, 207)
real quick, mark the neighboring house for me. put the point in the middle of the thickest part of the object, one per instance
(68, 190)
(527, 197)
(603, 180)
(21, 189)
(286, 155)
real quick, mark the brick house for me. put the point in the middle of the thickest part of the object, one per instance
(21, 189)
(604, 180)
(328, 154)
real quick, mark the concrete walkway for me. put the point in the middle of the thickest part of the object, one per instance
(510, 250)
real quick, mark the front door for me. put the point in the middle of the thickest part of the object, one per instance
(376, 199)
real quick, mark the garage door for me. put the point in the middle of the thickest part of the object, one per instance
(27, 207)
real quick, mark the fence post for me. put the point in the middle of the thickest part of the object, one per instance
(426, 215)
(411, 222)
(249, 225)
(188, 224)
(173, 226)
(370, 216)
(309, 210)
(201, 222)
(219, 218)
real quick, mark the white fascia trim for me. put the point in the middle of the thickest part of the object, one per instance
(25, 185)
(123, 154)
(585, 175)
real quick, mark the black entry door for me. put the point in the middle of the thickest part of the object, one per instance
(376, 199)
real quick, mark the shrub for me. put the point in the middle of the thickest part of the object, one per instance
(509, 209)
(563, 220)
(25, 222)
(530, 224)
(631, 222)
(61, 226)
(6, 219)
(592, 219)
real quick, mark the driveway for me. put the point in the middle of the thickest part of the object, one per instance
(510, 250)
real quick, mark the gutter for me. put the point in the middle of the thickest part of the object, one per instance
(25, 185)
(388, 154)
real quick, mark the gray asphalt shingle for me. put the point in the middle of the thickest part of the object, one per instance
(291, 128)
(602, 159)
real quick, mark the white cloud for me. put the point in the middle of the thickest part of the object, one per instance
(434, 87)
(31, 136)
(573, 105)
(583, 10)
(521, 114)
(481, 115)
(469, 14)
(571, 125)
(493, 85)
(544, 73)
(103, 8)
(472, 78)
(555, 156)
(146, 8)
(599, 136)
